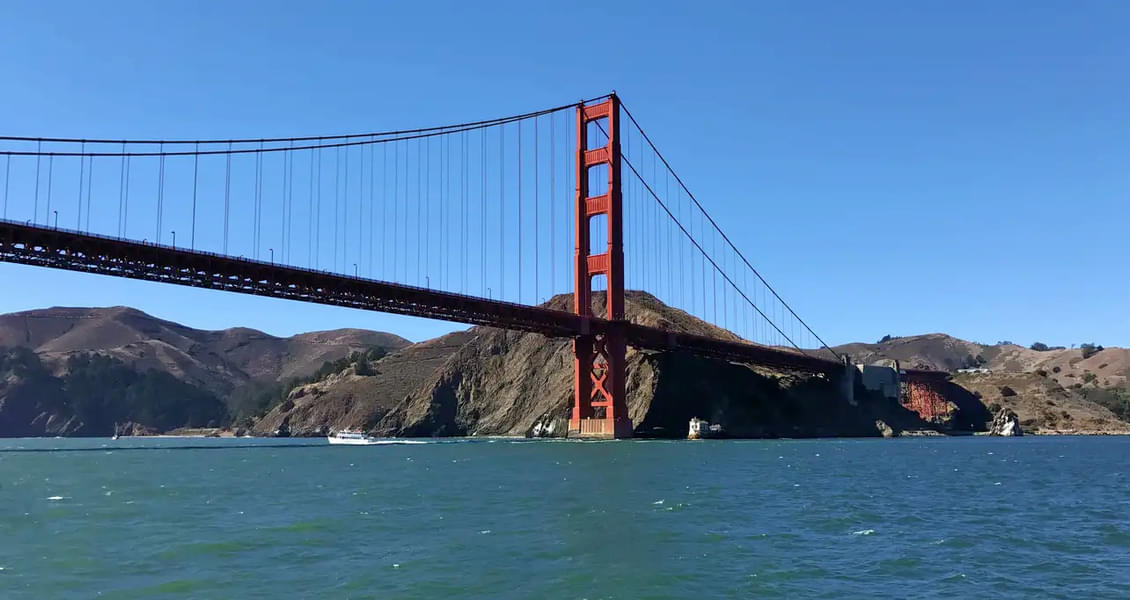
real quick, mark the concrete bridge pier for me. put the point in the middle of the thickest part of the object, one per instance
(847, 381)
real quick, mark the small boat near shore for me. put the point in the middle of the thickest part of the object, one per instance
(346, 437)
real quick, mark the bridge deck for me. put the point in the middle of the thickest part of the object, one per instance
(29, 244)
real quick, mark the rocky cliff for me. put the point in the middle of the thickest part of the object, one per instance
(491, 382)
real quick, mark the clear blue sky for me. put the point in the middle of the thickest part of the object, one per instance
(892, 167)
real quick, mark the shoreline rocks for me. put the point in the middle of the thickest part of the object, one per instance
(1006, 424)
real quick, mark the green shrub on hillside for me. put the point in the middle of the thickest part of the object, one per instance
(1116, 399)
(1090, 350)
(257, 399)
(103, 391)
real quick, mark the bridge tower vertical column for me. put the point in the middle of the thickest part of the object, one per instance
(600, 406)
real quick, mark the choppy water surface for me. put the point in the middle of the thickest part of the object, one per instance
(1046, 517)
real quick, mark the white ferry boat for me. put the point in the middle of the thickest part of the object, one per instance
(351, 438)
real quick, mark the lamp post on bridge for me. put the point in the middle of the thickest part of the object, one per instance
(355, 275)
(427, 282)
(56, 218)
(272, 250)
(174, 238)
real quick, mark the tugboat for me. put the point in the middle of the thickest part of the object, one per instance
(346, 437)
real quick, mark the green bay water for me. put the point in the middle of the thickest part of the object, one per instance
(208, 518)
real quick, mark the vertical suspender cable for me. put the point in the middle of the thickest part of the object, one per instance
(656, 237)
(227, 198)
(395, 207)
(81, 177)
(552, 203)
(51, 166)
(537, 222)
(290, 210)
(89, 188)
(442, 185)
(125, 213)
(501, 210)
(318, 216)
(702, 269)
(160, 193)
(419, 210)
(520, 212)
(361, 203)
(121, 188)
(384, 211)
(283, 204)
(35, 208)
(372, 203)
(428, 214)
(50, 179)
(337, 201)
(258, 199)
(195, 179)
(406, 176)
(482, 212)
(345, 214)
(670, 238)
(360, 208)
(464, 169)
(310, 217)
(7, 176)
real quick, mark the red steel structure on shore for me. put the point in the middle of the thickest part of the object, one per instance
(599, 399)
(924, 393)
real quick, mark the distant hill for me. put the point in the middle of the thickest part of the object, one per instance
(942, 352)
(1051, 390)
(78, 371)
(81, 371)
(217, 361)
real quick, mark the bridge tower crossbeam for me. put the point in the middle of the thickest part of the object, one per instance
(599, 397)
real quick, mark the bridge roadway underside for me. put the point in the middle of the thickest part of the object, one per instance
(27, 244)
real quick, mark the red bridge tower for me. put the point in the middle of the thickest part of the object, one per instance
(599, 399)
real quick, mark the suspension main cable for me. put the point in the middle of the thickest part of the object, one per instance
(724, 236)
(704, 253)
(399, 132)
(363, 142)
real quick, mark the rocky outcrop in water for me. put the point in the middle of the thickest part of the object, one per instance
(1006, 424)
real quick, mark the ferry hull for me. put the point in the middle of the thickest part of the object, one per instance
(336, 441)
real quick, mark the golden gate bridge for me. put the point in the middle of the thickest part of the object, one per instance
(479, 223)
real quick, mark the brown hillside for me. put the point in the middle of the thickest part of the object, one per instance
(1043, 405)
(946, 353)
(218, 361)
(491, 382)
